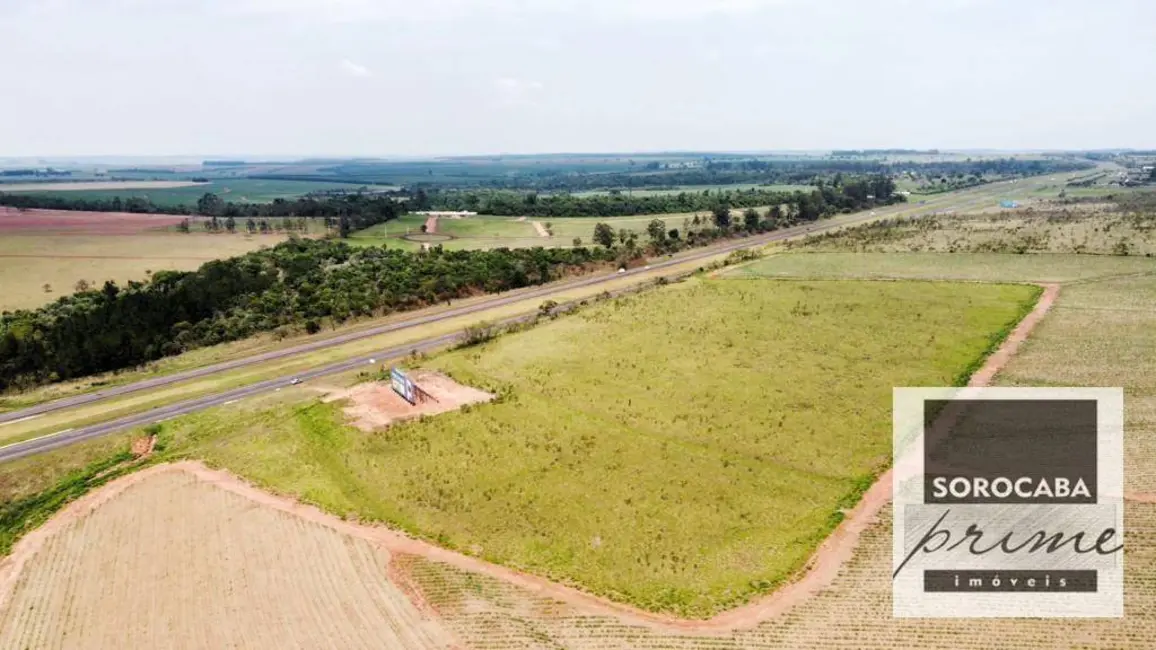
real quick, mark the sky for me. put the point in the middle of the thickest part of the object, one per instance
(445, 77)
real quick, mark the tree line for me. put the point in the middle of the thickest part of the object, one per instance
(298, 284)
(347, 212)
(845, 194)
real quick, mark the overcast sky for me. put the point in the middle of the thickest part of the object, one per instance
(418, 77)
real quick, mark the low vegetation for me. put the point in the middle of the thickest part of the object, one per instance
(682, 450)
(1124, 225)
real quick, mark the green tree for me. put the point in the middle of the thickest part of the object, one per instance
(183, 226)
(722, 216)
(230, 224)
(657, 231)
(210, 205)
(751, 219)
(775, 214)
(604, 235)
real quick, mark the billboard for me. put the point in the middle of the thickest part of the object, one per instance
(402, 385)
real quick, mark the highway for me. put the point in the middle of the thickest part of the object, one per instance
(955, 201)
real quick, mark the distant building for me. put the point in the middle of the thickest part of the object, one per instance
(446, 213)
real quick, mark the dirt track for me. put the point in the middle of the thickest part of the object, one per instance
(431, 225)
(819, 572)
(542, 232)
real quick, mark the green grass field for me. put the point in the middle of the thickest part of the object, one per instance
(230, 189)
(682, 450)
(700, 188)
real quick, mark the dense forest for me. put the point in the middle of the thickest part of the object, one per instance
(843, 194)
(299, 283)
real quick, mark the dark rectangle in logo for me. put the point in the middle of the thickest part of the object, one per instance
(1010, 581)
(1010, 451)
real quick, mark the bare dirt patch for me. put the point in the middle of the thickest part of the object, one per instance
(15, 221)
(431, 225)
(375, 405)
(542, 232)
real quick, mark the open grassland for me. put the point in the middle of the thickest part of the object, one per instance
(1124, 227)
(854, 613)
(28, 262)
(483, 232)
(981, 267)
(173, 561)
(250, 190)
(682, 450)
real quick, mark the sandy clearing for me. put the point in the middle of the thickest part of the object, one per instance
(375, 405)
(164, 558)
(96, 185)
(542, 232)
(431, 225)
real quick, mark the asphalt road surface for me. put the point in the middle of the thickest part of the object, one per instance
(955, 201)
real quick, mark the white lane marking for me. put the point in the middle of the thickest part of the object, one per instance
(24, 419)
(47, 435)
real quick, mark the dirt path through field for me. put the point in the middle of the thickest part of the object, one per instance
(431, 225)
(818, 573)
(542, 232)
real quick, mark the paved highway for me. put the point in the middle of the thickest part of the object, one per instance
(955, 201)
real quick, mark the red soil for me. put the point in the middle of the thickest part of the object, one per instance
(14, 221)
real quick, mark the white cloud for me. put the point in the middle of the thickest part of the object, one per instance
(355, 69)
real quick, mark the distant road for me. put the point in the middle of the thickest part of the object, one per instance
(954, 201)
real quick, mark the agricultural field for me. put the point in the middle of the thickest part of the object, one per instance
(75, 186)
(1124, 225)
(617, 458)
(307, 451)
(702, 188)
(189, 564)
(38, 267)
(251, 190)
